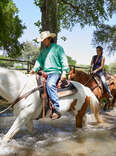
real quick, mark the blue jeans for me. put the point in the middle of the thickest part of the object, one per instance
(51, 89)
(101, 74)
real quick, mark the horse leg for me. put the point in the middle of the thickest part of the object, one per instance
(24, 117)
(113, 101)
(105, 107)
(30, 126)
(94, 108)
(108, 105)
(100, 106)
(81, 113)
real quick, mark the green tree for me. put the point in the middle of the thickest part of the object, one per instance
(58, 14)
(71, 61)
(6, 63)
(30, 51)
(106, 68)
(67, 13)
(11, 28)
(49, 16)
(112, 67)
(106, 36)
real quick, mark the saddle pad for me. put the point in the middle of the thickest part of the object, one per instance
(108, 76)
(109, 79)
(70, 90)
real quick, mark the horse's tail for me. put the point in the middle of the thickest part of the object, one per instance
(94, 106)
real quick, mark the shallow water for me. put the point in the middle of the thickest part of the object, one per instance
(60, 138)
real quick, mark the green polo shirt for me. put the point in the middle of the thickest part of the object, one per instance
(52, 60)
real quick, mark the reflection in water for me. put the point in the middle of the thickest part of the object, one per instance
(59, 138)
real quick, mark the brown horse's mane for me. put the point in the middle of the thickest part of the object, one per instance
(82, 73)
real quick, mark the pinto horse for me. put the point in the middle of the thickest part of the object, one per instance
(89, 81)
(14, 84)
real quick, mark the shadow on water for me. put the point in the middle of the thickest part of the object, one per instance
(61, 138)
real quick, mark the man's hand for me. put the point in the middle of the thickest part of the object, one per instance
(31, 72)
(63, 76)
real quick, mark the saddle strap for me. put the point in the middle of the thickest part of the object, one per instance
(44, 97)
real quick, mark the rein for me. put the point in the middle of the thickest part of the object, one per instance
(25, 95)
(88, 80)
(29, 93)
(21, 97)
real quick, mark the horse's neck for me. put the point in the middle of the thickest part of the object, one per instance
(83, 77)
(13, 84)
(30, 84)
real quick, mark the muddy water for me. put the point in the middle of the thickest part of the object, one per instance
(61, 138)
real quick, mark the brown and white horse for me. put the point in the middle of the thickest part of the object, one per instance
(14, 84)
(89, 81)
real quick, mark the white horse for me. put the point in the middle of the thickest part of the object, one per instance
(14, 84)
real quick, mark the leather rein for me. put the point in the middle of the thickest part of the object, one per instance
(95, 81)
(19, 98)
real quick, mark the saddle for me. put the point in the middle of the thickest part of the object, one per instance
(64, 88)
(109, 79)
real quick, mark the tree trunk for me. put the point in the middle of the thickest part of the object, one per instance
(49, 16)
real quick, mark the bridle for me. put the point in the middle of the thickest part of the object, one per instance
(88, 80)
(92, 76)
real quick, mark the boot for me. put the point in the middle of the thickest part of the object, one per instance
(55, 115)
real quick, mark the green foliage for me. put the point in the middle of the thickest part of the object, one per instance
(106, 68)
(5, 63)
(83, 12)
(10, 28)
(112, 67)
(71, 61)
(49, 15)
(30, 51)
(106, 36)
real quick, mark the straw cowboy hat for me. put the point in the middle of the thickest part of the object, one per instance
(44, 35)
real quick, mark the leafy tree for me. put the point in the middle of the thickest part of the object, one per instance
(106, 68)
(10, 28)
(30, 51)
(71, 61)
(4, 63)
(67, 13)
(58, 14)
(106, 36)
(49, 15)
(112, 67)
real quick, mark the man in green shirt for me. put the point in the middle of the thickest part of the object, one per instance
(53, 61)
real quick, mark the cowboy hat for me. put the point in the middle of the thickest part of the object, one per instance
(44, 35)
